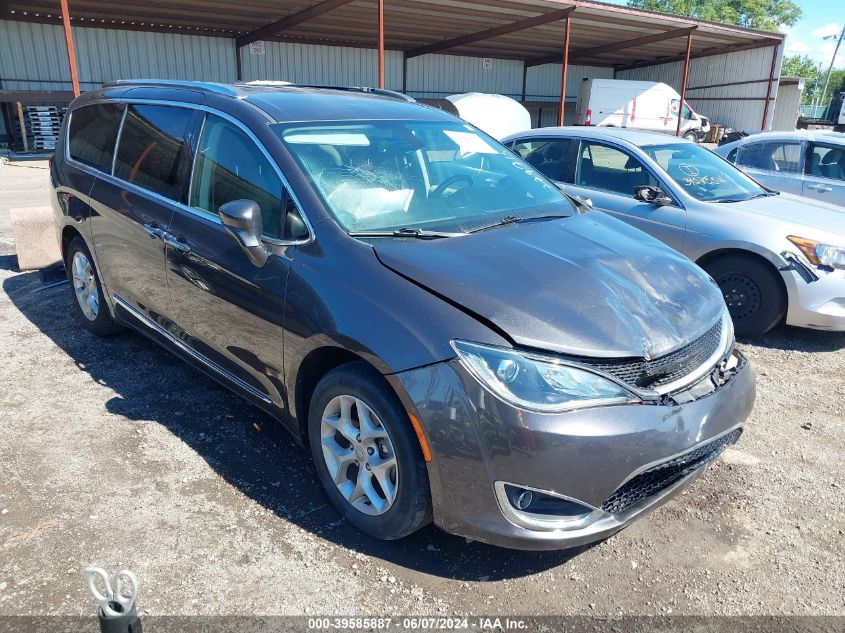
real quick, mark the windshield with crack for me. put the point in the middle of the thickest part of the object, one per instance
(436, 176)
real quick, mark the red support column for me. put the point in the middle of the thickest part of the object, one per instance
(71, 53)
(381, 43)
(564, 69)
(684, 85)
(769, 89)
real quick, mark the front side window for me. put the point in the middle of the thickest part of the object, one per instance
(609, 169)
(826, 161)
(444, 176)
(549, 156)
(231, 167)
(153, 151)
(92, 134)
(777, 156)
(703, 174)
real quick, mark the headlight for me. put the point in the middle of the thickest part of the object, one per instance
(820, 254)
(536, 382)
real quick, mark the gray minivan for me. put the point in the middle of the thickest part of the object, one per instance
(452, 337)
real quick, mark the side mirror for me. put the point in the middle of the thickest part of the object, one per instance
(652, 195)
(242, 219)
(587, 202)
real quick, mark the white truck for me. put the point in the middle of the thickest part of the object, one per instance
(643, 105)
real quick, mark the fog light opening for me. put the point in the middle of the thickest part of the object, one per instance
(542, 510)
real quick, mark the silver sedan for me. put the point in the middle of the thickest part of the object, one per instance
(811, 164)
(776, 257)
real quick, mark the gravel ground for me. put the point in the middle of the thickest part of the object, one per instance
(114, 452)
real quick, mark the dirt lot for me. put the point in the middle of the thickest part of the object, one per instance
(114, 452)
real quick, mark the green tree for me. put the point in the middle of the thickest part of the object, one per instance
(766, 15)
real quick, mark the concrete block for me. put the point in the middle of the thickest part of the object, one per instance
(35, 237)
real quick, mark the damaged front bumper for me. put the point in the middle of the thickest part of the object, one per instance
(608, 465)
(816, 297)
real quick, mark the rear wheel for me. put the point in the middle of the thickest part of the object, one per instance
(366, 454)
(86, 290)
(754, 294)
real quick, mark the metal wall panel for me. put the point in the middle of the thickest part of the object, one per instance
(543, 82)
(726, 105)
(437, 76)
(788, 105)
(34, 57)
(330, 65)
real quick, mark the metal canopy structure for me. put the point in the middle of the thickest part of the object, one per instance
(535, 32)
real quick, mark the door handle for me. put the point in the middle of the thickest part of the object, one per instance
(156, 232)
(172, 240)
(820, 188)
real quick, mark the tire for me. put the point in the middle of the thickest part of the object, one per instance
(754, 294)
(410, 508)
(79, 264)
(691, 136)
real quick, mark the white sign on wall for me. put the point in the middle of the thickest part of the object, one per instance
(256, 47)
(487, 63)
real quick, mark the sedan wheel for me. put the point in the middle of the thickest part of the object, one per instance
(359, 455)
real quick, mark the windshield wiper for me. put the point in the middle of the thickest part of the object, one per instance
(420, 234)
(517, 219)
(764, 194)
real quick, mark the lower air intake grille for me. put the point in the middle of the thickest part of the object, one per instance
(666, 369)
(663, 475)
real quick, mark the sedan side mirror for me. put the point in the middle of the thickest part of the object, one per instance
(242, 219)
(652, 195)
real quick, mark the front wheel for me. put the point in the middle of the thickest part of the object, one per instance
(754, 294)
(691, 136)
(366, 453)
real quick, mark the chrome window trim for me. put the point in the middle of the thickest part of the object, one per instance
(148, 322)
(117, 139)
(179, 205)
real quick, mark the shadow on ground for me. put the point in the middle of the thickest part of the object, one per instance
(246, 447)
(792, 339)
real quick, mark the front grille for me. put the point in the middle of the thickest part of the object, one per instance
(655, 479)
(650, 374)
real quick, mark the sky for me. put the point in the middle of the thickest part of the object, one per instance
(821, 17)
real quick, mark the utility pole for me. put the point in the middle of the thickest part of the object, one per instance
(832, 62)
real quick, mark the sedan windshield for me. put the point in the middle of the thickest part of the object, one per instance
(410, 176)
(703, 174)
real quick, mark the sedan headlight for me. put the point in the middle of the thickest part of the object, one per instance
(538, 383)
(820, 254)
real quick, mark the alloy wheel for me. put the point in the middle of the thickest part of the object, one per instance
(85, 286)
(359, 455)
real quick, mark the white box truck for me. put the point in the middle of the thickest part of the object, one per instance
(642, 105)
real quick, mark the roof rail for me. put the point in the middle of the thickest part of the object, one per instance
(210, 86)
(376, 91)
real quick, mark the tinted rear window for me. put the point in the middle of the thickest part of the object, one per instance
(93, 131)
(153, 150)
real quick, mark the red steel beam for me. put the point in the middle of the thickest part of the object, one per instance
(496, 31)
(588, 53)
(564, 69)
(381, 43)
(769, 88)
(290, 21)
(684, 84)
(71, 51)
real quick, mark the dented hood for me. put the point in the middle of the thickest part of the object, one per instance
(588, 285)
